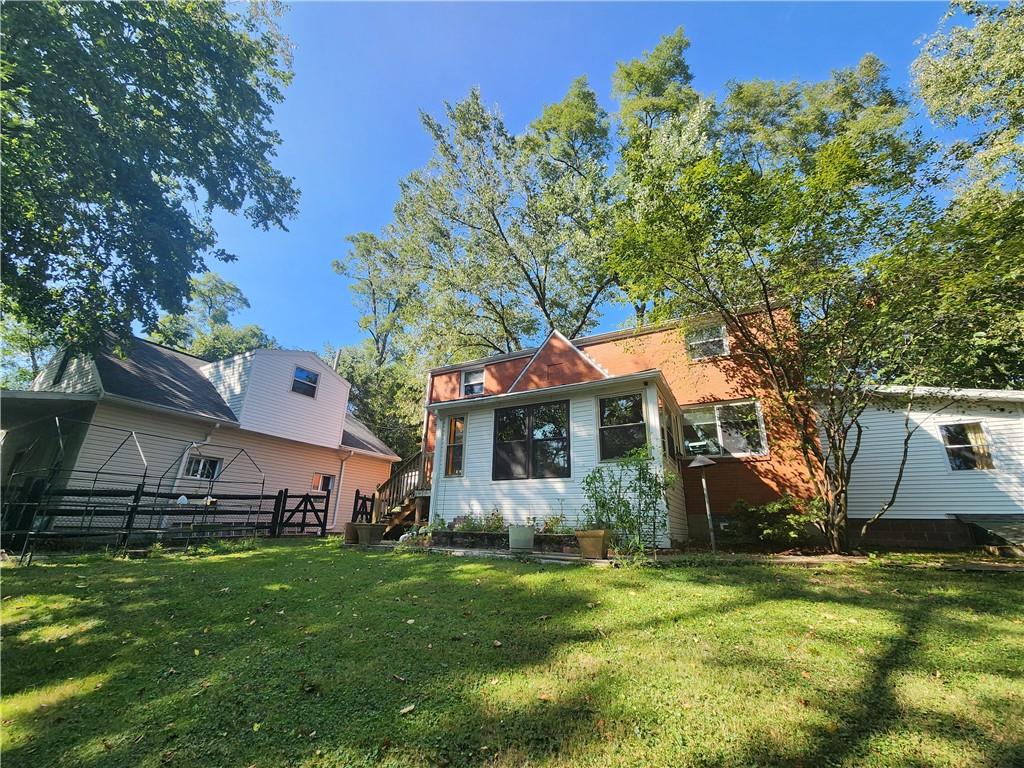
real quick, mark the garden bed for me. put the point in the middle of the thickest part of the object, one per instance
(542, 542)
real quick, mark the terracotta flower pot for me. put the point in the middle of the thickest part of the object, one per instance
(370, 533)
(520, 538)
(593, 544)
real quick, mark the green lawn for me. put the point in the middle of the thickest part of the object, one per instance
(307, 654)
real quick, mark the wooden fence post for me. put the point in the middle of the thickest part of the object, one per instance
(323, 519)
(275, 520)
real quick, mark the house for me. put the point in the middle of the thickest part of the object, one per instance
(518, 432)
(254, 423)
(964, 466)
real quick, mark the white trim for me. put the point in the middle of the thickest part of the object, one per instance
(997, 395)
(966, 419)
(589, 360)
(316, 387)
(718, 428)
(465, 425)
(724, 339)
(483, 381)
(598, 397)
(554, 393)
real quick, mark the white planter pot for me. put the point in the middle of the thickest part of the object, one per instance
(520, 538)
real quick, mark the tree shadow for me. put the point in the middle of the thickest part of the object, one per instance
(271, 656)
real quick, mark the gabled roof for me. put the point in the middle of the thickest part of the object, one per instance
(359, 437)
(557, 361)
(157, 375)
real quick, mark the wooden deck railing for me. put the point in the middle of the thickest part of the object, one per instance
(410, 476)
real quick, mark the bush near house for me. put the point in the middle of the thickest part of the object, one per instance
(306, 654)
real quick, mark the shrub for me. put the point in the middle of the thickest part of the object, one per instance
(786, 521)
(555, 524)
(493, 522)
(629, 498)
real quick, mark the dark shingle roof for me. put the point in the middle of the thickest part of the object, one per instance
(357, 435)
(162, 376)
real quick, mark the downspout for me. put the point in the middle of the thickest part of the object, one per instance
(337, 493)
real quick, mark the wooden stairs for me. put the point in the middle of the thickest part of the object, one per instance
(404, 498)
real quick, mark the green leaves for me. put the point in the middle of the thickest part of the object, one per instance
(124, 127)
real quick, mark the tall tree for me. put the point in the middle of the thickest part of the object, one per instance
(506, 226)
(205, 328)
(125, 127)
(777, 210)
(21, 354)
(971, 78)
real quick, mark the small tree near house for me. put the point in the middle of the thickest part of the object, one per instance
(790, 211)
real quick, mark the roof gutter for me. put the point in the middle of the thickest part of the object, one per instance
(165, 409)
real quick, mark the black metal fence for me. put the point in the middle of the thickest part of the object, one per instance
(36, 511)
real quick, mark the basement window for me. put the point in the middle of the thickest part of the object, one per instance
(966, 446)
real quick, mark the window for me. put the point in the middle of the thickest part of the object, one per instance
(966, 446)
(202, 467)
(322, 483)
(668, 430)
(732, 429)
(531, 441)
(455, 448)
(622, 427)
(709, 341)
(473, 383)
(305, 382)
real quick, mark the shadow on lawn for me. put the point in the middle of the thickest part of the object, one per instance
(267, 657)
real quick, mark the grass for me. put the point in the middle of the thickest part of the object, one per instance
(305, 654)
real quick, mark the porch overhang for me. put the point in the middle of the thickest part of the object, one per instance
(21, 407)
(648, 377)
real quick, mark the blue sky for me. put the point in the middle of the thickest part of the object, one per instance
(350, 120)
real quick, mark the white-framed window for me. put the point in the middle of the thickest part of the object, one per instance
(473, 382)
(455, 447)
(726, 429)
(321, 482)
(305, 381)
(707, 341)
(202, 467)
(669, 444)
(621, 425)
(966, 445)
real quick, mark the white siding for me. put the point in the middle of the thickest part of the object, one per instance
(678, 528)
(79, 375)
(930, 489)
(475, 493)
(230, 377)
(270, 406)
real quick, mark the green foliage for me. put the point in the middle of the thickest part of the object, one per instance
(555, 525)
(974, 75)
(628, 497)
(22, 354)
(125, 127)
(205, 330)
(492, 522)
(787, 521)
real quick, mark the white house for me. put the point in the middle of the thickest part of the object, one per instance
(965, 463)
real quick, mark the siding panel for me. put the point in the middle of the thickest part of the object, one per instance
(930, 489)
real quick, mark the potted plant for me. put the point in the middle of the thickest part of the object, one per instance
(594, 535)
(520, 536)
